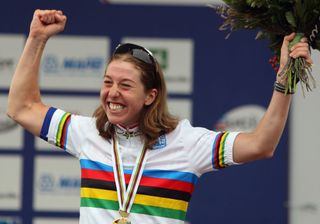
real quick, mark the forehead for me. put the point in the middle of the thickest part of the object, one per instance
(122, 69)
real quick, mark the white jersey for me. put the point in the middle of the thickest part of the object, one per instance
(172, 169)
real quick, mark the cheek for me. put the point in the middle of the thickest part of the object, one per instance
(140, 101)
(103, 93)
(103, 97)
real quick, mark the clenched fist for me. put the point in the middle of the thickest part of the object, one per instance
(46, 23)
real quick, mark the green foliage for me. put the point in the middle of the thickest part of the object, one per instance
(273, 19)
(257, 3)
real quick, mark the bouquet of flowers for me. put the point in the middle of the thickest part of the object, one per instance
(273, 19)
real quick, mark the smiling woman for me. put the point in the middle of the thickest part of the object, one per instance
(138, 163)
(123, 94)
(133, 94)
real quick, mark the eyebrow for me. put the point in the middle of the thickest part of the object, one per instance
(122, 80)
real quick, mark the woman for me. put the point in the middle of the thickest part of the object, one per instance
(138, 163)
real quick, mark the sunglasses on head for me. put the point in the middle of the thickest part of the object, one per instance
(136, 51)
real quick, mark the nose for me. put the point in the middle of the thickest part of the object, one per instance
(114, 91)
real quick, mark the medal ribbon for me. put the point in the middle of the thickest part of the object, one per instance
(126, 195)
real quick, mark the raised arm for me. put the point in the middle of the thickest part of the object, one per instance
(262, 142)
(24, 101)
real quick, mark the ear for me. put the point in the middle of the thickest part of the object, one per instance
(151, 96)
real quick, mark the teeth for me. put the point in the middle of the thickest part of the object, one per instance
(115, 106)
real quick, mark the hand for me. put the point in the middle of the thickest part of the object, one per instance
(301, 49)
(46, 23)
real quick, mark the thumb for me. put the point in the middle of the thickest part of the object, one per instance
(284, 50)
(287, 39)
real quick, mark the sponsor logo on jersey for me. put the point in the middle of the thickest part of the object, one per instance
(161, 142)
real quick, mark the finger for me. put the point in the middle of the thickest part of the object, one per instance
(37, 12)
(289, 38)
(304, 40)
(300, 53)
(300, 45)
(45, 18)
(60, 18)
(52, 16)
(48, 16)
(310, 61)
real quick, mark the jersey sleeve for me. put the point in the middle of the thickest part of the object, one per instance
(65, 130)
(208, 150)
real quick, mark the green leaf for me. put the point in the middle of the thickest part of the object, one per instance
(290, 19)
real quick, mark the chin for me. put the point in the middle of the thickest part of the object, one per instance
(115, 120)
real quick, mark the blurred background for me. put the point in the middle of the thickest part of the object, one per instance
(215, 83)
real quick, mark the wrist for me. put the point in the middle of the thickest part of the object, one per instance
(281, 77)
(40, 38)
(280, 87)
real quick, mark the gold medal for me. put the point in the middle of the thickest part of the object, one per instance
(124, 218)
(121, 221)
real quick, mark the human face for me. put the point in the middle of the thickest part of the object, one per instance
(123, 95)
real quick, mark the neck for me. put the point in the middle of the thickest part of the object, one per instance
(127, 132)
(128, 127)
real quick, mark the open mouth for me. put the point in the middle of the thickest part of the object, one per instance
(115, 106)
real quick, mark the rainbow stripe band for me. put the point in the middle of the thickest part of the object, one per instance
(62, 132)
(156, 196)
(143, 204)
(219, 150)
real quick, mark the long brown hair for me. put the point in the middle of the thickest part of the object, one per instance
(155, 119)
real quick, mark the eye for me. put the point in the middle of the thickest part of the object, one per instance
(107, 82)
(126, 85)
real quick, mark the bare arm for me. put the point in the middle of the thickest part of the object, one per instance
(24, 101)
(262, 142)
